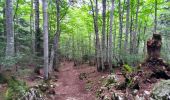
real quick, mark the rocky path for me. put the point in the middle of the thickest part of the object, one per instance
(69, 86)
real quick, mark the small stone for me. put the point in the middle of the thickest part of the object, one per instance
(146, 93)
(103, 88)
(135, 92)
(52, 91)
(106, 97)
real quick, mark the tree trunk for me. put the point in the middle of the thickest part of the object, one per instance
(120, 27)
(155, 26)
(45, 31)
(127, 25)
(136, 30)
(107, 36)
(131, 34)
(103, 52)
(51, 60)
(97, 44)
(9, 29)
(4, 22)
(56, 39)
(154, 47)
(32, 27)
(110, 36)
(37, 29)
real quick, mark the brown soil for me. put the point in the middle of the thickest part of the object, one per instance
(70, 87)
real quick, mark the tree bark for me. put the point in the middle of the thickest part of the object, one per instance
(120, 27)
(155, 26)
(9, 29)
(103, 52)
(127, 25)
(56, 38)
(136, 30)
(4, 18)
(97, 44)
(110, 36)
(45, 31)
(32, 27)
(37, 29)
(154, 47)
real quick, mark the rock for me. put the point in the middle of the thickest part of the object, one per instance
(135, 92)
(118, 96)
(137, 97)
(82, 76)
(32, 94)
(103, 88)
(110, 79)
(106, 97)
(146, 93)
(161, 90)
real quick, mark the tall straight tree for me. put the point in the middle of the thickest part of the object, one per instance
(110, 35)
(4, 22)
(97, 44)
(45, 32)
(120, 27)
(136, 29)
(127, 25)
(32, 26)
(103, 52)
(9, 29)
(56, 38)
(155, 26)
(37, 28)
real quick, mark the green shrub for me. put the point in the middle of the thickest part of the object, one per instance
(16, 89)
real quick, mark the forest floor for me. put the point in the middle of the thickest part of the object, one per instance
(70, 87)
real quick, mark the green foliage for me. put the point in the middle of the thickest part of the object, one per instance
(9, 61)
(127, 68)
(16, 89)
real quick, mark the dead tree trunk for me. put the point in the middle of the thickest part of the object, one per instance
(154, 46)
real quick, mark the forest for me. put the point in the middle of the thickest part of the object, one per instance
(84, 50)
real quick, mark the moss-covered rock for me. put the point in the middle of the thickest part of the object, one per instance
(161, 90)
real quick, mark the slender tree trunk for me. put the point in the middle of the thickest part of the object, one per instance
(127, 25)
(32, 27)
(4, 22)
(120, 27)
(9, 29)
(114, 36)
(136, 30)
(45, 31)
(103, 53)
(16, 9)
(155, 26)
(110, 36)
(144, 31)
(107, 37)
(131, 33)
(56, 38)
(37, 29)
(90, 44)
(97, 44)
(51, 60)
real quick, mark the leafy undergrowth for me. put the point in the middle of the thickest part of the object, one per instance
(129, 83)
(126, 83)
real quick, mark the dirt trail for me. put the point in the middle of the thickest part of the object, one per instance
(69, 86)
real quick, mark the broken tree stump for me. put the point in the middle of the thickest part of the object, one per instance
(154, 46)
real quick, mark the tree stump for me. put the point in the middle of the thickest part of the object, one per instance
(154, 46)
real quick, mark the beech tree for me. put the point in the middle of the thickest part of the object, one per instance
(110, 36)
(45, 32)
(9, 29)
(37, 28)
